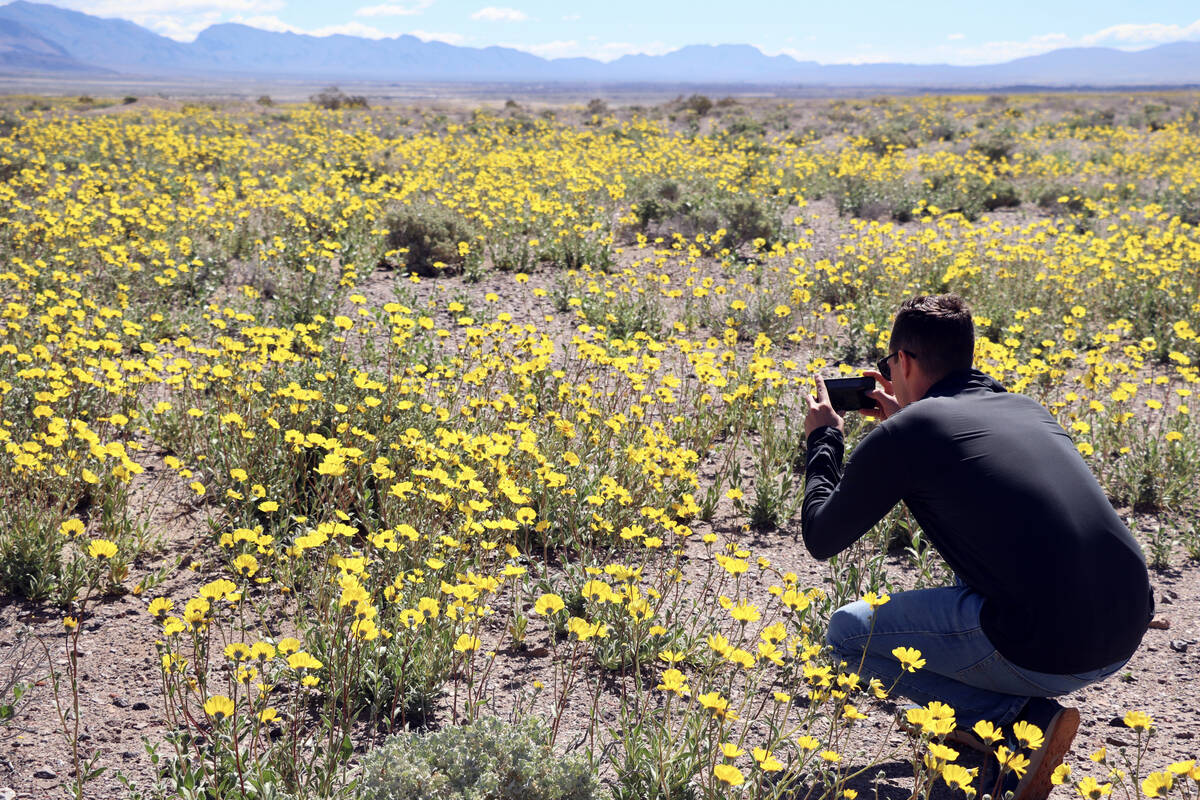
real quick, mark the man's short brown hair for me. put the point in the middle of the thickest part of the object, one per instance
(938, 330)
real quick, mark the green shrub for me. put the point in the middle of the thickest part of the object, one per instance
(998, 146)
(887, 137)
(1181, 202)
(690, 209)
(1096, 118)
(699, 103)
(1058, 198)
(333, 98)
(745, 125)
(426, 235)
(657, 202)
(1003, 196)
(486, 760)
(865, 198)
(747, 218)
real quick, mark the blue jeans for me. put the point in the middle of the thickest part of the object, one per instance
(962, 667)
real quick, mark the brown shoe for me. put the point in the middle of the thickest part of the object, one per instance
(1058, 725)
(958, 737)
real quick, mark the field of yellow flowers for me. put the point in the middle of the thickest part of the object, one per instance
(321, 426)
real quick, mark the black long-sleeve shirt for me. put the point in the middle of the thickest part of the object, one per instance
(1000, 490)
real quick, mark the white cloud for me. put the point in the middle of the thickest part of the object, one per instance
(128, 9)
(179, 29)
(276, 25)
(394, 9)
(1128, 36)
(601, 51)
(351, 29)
(265, 22)
(572, 17)
(559, 49)
(495, 14)
(959, 51)
(1150, 33)
(799, 55)
(177, 19)
(448, 38)
(993, 52)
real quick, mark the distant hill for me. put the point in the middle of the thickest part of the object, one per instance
(23, 50)
(37, 37)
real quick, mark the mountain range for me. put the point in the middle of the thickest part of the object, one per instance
(37, 38)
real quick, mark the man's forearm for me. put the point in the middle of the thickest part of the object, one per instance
(822, 472)
(841, 505)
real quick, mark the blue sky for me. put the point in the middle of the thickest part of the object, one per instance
(956, 32)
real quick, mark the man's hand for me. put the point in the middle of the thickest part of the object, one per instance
(820, 411)
(883, 396)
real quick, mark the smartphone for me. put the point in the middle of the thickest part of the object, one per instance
(850, 394)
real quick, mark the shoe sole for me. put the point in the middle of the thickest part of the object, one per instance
(1061, 731)
(959, 737)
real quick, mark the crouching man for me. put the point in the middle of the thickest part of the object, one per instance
(1052, 591)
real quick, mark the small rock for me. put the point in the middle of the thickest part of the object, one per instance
(1185, 735)
(141, 706)
(1179, 645)
(1115, 742)
(44, 775)
(1160, 623)
(7, 794)
(120, 702)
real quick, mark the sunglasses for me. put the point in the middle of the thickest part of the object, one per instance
(884, 365)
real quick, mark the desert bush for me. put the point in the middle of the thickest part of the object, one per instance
(129, 100)
(699, 103)
(487, 760)
(694, 208)
(1181, 202)
(333, 98)
(622, 310)
(746, 219)
(1057, 198)
(941, 130)
(265, 100)
(970, 194)
(745, 125)
(1095, 118)
(656, 201)
(579, 246)
(1003, 195)
(429, 239)
(862, 197)
(884, 138)
(596, 106)
(996, 146)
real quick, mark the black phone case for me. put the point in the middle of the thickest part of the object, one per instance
(849, 394)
